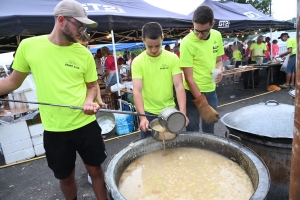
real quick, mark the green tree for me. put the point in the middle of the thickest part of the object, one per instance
(261, 5)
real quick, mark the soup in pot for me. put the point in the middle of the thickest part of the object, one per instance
(185, 173)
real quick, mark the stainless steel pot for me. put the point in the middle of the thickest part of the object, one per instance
(267, 129)
(159, 135)
(172, 119)
(107, 122)
(243, 156)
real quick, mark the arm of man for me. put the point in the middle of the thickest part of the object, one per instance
(12, 82)
(89, 107)
(98, 97)
(139, 102)
(289, 50)
(180, 95)
(188, 74)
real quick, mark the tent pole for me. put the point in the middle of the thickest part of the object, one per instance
(271, 53)
(116, 66)
(295, 163)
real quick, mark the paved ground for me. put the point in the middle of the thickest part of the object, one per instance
(34, 180)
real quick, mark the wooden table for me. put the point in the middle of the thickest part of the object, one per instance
(241, 70)
(12, 112)
(127, 91)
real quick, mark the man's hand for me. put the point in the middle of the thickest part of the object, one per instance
(90, 108)
(187, 121)
(144, 124)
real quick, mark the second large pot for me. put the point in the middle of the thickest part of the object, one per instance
(267, 129)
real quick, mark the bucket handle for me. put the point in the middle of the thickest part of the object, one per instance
(233, 137)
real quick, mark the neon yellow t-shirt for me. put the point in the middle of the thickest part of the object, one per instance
(157, 76)
(237, 55)
(258, 49)
(60, 74)
(292, 43)
(201, 55)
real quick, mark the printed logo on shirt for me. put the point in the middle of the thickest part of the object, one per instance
(72, 64)
(215, 49)
(164, 66)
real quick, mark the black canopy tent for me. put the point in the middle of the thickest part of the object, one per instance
(235, 18)
(24, 18)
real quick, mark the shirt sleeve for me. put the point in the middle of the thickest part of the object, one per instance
(186, 55)
(176, 66)
(91, 72)
(109, 63)
(20, 63)
(265, 47)
(289, 44)
(136, 69)
(221, 46)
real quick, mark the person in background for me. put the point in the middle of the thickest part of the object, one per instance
(258, 50)
(99, 62)
(201, 52)
(132, 56)
(275, 48)
(248, 53)
(237, 58)
(176, 50)
(110, 73)
(125, 57)
(229, 51)
(267, 57)
(151, 70)
(291, 45)
(67, 76)
(167, 47)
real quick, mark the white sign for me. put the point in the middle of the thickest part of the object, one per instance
(224, 24)
(252, 15)
(93, 7)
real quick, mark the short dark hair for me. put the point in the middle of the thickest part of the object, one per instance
(152, 30)
(99, 50)
(203, 15)
(274, 41)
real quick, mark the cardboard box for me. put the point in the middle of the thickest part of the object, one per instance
(36, 130)
(16, 146)
(39, 150)
(14, 132)
(19, 155)
(38, 139)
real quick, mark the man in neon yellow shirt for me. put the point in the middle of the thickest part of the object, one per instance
(237, 57)
(257, 50)
(291, 45)
(154, 73)
(64, 73)
(201, 52)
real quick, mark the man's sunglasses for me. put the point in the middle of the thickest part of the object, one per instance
(80, 27)
(203, 32)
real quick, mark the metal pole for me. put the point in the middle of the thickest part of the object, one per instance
(295, 169)
(270, 8)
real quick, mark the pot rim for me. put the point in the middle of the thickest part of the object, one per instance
(262, 170)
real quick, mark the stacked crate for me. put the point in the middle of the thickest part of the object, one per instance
(15, 142)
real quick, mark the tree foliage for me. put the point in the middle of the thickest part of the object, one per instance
(261, 5)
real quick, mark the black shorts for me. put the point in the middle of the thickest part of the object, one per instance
(61, 148)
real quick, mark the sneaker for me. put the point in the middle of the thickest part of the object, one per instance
(284, 86)
(292, 86)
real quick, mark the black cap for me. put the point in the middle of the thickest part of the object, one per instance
(283, 34)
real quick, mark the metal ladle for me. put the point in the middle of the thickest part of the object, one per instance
(79, 107)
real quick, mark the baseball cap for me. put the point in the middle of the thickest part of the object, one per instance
(283, 34)
(72, 8)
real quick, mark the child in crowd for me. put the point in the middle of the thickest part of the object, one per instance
(237, 58)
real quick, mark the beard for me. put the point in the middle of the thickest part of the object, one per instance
(68, 35)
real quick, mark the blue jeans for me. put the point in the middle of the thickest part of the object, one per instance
(147, 133)
(291, 65)
(193, 114)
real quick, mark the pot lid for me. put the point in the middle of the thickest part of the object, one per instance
(269, 119)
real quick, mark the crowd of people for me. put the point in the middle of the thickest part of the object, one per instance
(161, 78)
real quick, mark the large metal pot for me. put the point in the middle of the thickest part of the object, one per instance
(267, 129)
(243, 156)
